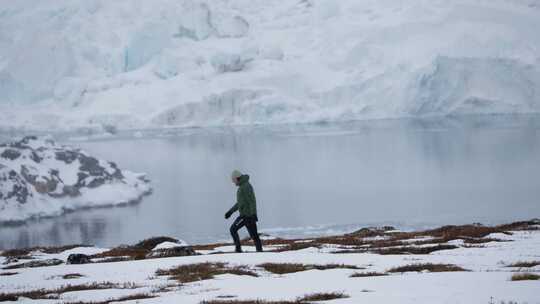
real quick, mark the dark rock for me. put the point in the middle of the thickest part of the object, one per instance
(27, 175)
(90, 165)
(14, 186)
(81, 180)
(71, 191)
(117, 173)
(66, 156)
(96, 182)
(35, 157)
(78, 258)
(11, 154)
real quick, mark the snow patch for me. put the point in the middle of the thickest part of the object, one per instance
(168, 245)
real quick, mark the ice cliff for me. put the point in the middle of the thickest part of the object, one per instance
(90, 64)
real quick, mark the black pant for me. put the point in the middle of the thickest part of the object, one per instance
(251, 224)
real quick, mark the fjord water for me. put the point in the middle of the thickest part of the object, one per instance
(311, 179)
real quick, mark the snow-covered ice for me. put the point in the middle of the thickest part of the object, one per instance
(96, 65)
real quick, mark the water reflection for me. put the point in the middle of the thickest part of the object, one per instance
(324, 178)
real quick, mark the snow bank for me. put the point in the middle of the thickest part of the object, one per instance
(487, 281)
(40, 178)
(83, 64)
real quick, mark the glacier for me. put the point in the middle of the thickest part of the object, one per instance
(113, 65)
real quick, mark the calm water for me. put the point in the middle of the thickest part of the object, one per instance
(312, 180)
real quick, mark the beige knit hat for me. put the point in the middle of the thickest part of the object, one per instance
(235, 174)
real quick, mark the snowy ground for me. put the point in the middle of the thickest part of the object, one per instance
(99, 66)
(488, 280)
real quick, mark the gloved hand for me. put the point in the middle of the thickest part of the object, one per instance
(228, 214)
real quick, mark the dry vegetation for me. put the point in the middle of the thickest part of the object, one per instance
(203, 271)
(54, 293)
(414, 250)
(138, 251)
(325, 296)
(523, 264)
(427, 267)
(5, 274)
(525, 277)
(49, 249)
(138, 296)
(284, 268)
(315, 297)
(68, 276)
(368, 274)
(386, 240)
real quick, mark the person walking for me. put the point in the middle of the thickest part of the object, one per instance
(246, 205)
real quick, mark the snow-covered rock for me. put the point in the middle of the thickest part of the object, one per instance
(40, 178)
(171, 249)
(168, 245)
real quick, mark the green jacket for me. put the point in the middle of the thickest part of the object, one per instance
(246, 203)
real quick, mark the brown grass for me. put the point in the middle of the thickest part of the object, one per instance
(46, 249)
(5, 274)
(345, 240)
(522, 225)
(525, 277)
(298, 246)
(138, 296)
(68, 276)
(150, 243)
(119, 252)
(284, 268)
(523, 264)
(315, 297)
(53, 293)
(414, 250)
(324, 296)
(427, 267)
(139, 251)
(367, 274)
(209, 246)
(482, 240)
(464, 231)
(203, 271)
